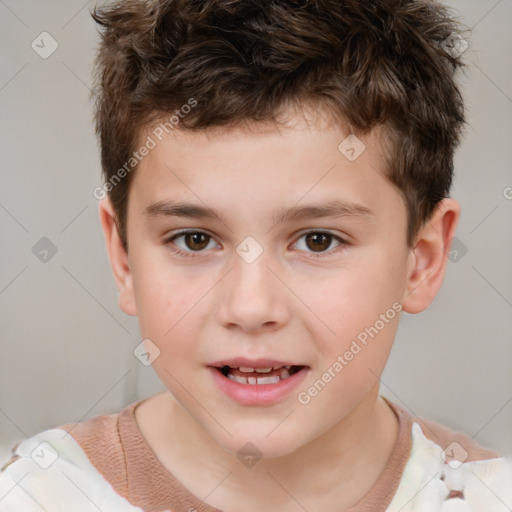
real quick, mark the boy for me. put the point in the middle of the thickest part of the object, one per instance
(276, 193)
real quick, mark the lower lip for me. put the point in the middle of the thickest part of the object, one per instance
(257, 394)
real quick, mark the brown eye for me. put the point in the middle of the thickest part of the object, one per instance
(190, 242)
(196, 241)
(318, 241)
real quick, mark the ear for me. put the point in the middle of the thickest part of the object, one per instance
(427, 260)
(118, 257)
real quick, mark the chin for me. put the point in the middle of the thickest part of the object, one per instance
(257, 443)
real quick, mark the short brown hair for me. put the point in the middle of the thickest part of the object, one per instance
(369, 62)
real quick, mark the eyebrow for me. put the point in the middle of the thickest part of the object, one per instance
(334, 209)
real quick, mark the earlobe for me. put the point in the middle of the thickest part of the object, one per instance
(426, 265)
(118, 258)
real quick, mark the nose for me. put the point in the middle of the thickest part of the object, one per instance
(252, 297)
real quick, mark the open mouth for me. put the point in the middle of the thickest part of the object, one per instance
(258, 376)
(257, 382)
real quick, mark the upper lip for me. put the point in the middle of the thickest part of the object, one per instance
(237, 362)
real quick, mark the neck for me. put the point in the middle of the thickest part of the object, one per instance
(341, 466)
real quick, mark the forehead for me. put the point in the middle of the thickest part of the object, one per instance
(262, 169)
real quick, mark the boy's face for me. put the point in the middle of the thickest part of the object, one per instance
(221, 299)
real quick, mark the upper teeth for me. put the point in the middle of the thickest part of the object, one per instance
(247, 369)
(280, 374)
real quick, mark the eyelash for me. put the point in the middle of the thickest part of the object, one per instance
(194, 254)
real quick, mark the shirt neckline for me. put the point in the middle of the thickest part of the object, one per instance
(153, 488)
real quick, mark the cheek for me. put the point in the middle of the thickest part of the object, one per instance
(167, 303)
(352, 296)
(357, 317)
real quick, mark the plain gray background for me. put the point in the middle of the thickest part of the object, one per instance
(66, 348)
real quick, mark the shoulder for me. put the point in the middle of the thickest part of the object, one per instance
(99, 439)
(434, 480)
(78, 463)
(457, 445)
(447, 470)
